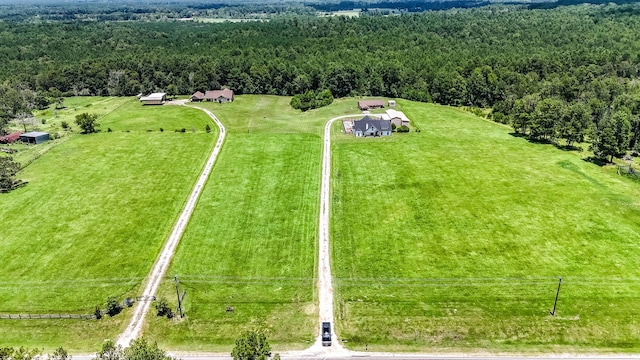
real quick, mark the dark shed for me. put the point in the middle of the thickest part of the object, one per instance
(35, 137)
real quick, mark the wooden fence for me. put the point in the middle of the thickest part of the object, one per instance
(45, 316)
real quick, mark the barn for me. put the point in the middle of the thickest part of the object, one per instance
(34, 137)
(154, 99)
(370, 104)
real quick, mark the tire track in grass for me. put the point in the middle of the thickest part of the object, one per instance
(164, 259)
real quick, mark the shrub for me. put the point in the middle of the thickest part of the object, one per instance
(65, 125)
(312, 100)
(44, 121)
(403, 129)
(98, 313)
(163, 308)
(109, 130)
(207, 128)
(183, 130)
(161, 130)
(113, 306)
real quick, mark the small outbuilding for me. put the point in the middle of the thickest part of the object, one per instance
(392, 103)
(220, 96)
(398, 118)
(154, 99)
(368, 126)
(8, 139)
(34, 137)
(370, 104)
(198, 96)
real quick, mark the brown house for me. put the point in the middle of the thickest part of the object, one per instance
(221, 96)
(198, 96)
(370, 104)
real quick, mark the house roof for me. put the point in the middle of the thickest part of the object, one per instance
(34, 134)
(367, 122)
(365, 104)
(198, 95)
(215, 94)
(11, 137)
(154, 97)
(397, 114)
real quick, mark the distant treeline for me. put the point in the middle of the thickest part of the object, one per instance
(407, 6)
(558, 65)
(171, 11)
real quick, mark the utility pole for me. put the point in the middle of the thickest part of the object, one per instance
(553, 312)
(179, 310)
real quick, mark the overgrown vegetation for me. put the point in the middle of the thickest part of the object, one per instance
(140, 349)
(312, 100)
(8, 171)
(163, 308)
(22, 353)
(252, 345)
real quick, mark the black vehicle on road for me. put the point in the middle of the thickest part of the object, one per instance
(326, 334)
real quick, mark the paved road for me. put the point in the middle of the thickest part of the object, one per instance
(162, 263)
(389, 356)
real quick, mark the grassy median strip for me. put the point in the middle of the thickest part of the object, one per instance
(251, 244)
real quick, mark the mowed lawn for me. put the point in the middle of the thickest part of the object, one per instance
(90, 224)
(454, 239)
(251, 244)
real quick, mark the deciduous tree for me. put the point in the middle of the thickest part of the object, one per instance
(251, 346)
(8, 171)
(88, 123)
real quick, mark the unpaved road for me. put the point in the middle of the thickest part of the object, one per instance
(325, 286)
(162, 262)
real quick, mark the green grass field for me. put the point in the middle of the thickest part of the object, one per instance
(454, 238)
(451, 239)
(50, 120)
(91, 222)
(251, 243)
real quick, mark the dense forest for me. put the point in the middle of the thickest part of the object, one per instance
(564, 73)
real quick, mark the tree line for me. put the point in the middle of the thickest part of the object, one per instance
(565, 74)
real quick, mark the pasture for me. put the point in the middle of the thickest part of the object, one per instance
(50, 120)
(251, 244)
(453, 239)
(91, 222)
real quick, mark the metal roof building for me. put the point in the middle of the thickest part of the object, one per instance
(34, 137)
(154, 99)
